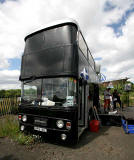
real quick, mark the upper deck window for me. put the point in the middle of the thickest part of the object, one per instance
(55, 37)
(91, 60)
(82, 45)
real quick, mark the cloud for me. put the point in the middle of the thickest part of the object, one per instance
(3, 63)
(19, 18)
(9, 79)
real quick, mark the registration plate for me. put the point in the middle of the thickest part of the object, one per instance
(40, 129)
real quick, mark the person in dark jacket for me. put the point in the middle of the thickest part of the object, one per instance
(116, 99)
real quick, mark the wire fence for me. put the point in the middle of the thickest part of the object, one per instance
(9, 105)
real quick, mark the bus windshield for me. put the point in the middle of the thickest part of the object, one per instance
(31, 90)
(50, 91)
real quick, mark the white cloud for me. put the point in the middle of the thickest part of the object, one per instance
(121, 60)
(19, 18)
(3, 63)
(9, 79)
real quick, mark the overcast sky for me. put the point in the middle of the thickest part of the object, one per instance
(107, 25)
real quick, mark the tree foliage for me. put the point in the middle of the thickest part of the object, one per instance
(10, 93)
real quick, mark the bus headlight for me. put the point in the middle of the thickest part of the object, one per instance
(60, 124)
(24, 118)
(22, 128)
(63, 137)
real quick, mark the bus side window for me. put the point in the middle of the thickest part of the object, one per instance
(82, 44)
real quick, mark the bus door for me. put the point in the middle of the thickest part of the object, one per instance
(83, 97)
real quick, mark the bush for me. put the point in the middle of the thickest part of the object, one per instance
(24, 139)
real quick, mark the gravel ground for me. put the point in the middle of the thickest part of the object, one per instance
(110, 143)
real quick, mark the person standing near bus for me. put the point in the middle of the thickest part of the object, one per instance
(116, 99)
(107, 96)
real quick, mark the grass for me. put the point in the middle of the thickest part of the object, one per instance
(9, 127)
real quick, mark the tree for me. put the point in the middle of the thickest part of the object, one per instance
(10, 93)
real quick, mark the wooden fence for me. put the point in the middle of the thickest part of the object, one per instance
(9, 105)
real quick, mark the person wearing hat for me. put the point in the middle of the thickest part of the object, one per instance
(107, 96)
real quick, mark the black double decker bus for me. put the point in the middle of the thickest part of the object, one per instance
(59, 82)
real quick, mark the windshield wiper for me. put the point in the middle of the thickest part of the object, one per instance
(28, 81)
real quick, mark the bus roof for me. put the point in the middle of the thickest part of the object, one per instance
(55, 24)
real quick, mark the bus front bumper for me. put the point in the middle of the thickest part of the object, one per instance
(57, 134)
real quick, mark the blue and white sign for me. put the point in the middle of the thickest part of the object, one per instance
(102, 77)
(84, 74)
